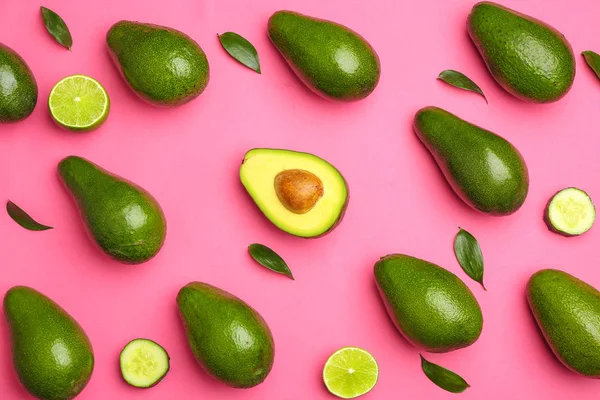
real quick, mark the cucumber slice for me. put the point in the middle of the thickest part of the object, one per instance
(570, 212)
(144, 363)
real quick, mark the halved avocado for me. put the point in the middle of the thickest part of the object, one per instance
(300, 193)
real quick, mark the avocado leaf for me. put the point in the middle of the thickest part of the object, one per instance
(241, 50)
(57, 27)
(269, 259)
(443, 377)
(23, 219)
(593, 60)
(461, 81)
(469, 256)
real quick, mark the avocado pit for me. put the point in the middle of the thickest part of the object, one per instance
(298, 190)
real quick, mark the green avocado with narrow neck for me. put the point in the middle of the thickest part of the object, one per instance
(18, 88)
(331, 59)
(567, 311)
(124, 220)
(431, 307)
(51, 353)
(162, 65)
(230, 340)
(486, 171)
(527, 57)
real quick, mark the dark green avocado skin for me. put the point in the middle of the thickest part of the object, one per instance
(18, 88)
(230, 340)
(123, 219)
(567, 311)
(52, 355)
(163, 66)
(431, 307)
(528, 58)
(329, 58)
(486, 171)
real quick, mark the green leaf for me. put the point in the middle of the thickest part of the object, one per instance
(23, 219)
(240, 49)
(469, 256)
(461, 81)
(269, 259)
(593, 60)
(443, 377)
(57, 27)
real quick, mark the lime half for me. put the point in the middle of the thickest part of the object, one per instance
(350, 372)
(79, 103)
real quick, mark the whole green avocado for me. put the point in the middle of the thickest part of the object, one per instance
(331, 59)
(123, 219)
(486, 171)
(18, 88)
(163, 66)
(230, 340)
(430, 306)
(528, 58)
(52, 355)
(567, 311)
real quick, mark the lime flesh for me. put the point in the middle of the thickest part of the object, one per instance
(350, 372)
(79, 103)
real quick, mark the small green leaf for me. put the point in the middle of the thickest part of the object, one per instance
(23, 219)
(593, 60)
(461, 81)
(57, 27)
(443, 377)
(269, 259)
(240, 49)
(469, 256)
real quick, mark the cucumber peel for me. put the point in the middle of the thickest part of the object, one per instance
(144, 363)
(570, 212)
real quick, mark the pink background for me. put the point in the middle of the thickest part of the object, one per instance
(188, 158)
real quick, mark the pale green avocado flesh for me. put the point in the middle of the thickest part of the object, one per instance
(258, 172)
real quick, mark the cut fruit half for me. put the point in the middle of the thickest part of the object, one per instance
(144, 363)
(79, 103)
(300, 193)
(350, 372)
(570, 212)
